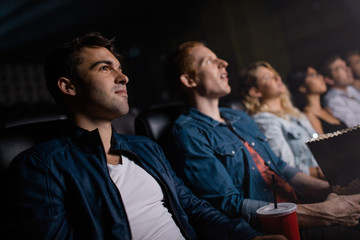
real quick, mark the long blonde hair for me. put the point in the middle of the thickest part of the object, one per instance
(253, 104)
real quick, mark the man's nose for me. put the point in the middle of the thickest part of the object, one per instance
(223, 63)
(121, 78)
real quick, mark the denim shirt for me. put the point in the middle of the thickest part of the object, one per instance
(287, 138)
(216, 165)
(61, 189)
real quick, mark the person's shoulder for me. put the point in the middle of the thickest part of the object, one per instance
(330, 94)
(135, 141)
(182, 118)
(140, 145)
(233, 111)
(44, 151)
(133, 138)
(265, 116)
(310, 115)
(267, 120)
(236, 113)
(354, 91)
(186, 121)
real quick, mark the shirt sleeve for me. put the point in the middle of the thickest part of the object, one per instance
(34, 202)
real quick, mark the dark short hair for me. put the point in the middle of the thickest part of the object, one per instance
(325, 69)
(351, 53)
(64, 60)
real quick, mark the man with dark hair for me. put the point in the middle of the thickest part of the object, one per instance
(92, 183)
(342, 99)
(225, 159)
(353, 61)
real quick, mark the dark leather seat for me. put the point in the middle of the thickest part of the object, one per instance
(126, 124)
(156, 123)
(15, 139)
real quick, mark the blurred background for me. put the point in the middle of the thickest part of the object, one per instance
(286, 33)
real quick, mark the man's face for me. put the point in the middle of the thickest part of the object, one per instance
(340, 73)
(101, 89)
(211, 76)
(354, 62)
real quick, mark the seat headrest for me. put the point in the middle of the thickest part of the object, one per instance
(157, 121)
(14, 140)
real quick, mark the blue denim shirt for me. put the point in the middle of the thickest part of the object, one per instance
(61, 189)
(287, 138)
(216, 165)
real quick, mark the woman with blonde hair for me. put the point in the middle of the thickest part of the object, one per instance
(267, 100)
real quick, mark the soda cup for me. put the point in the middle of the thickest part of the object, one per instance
(280, 220)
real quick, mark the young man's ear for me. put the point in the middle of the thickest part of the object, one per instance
(329, 81)
(187, 81)
(254, 92)
(65, 85)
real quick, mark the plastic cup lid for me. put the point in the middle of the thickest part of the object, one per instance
(281, 210)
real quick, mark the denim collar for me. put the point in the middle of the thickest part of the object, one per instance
(89, 139)
(229, 116)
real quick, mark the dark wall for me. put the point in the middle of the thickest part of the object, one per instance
(285, 33)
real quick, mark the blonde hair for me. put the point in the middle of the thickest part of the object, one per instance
(253, 104)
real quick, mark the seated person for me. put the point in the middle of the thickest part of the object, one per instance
(267, 100)
(225, 159)
(92, 183)
(342, 99)
(307, 86)
(353, 61)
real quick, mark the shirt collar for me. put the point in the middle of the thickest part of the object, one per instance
(349, 91)
(229, 116)
(92, 138)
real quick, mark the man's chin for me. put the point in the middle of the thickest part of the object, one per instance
(123, 111)
(226, 93)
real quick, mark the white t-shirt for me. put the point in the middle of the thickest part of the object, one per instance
(143, 200)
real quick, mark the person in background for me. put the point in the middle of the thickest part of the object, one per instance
(92, 183)
(353, 61)
(307, 87)
(267, 100)
(342, 99)
(224, 158)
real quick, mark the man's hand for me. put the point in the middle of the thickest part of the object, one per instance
(344, 210)
(270, 237)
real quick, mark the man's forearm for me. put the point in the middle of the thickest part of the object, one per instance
(344, 210)
(309, 188)
(311, 215)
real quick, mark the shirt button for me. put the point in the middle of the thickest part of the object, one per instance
(253, 168)
(269, 162)
(233, 152)
(252, 144)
